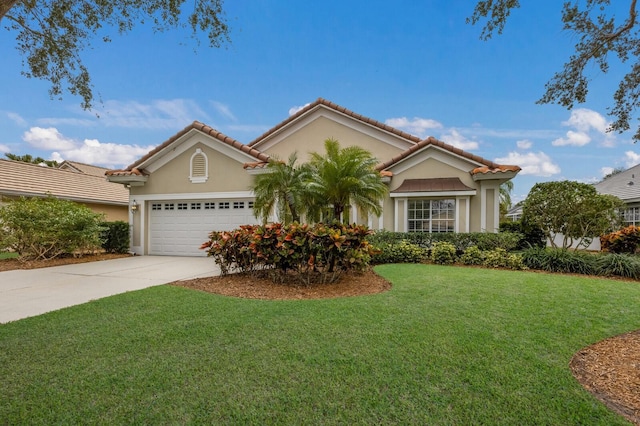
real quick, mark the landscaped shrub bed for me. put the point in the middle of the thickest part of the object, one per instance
(625, 240)
(461, 241)
(310, 254)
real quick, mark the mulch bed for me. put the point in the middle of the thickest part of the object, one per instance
(609, 369)
(12, 264)
(240, 285)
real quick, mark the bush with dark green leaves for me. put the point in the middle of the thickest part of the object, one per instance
(46, 228)
(530, 235)
(621, 265)
(560, 260)
(461, 241)
(115, 237)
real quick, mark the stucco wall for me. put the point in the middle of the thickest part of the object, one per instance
(311, 138)
(225, 175)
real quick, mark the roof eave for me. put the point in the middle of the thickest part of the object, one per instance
(131, 180)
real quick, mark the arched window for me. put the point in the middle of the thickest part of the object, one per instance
(199, 167)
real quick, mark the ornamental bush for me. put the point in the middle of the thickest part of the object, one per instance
(46, 228)
(115, 237)
(472, 256)
(560, 260)
(443, 253)
(309, 254)
(622, 265)
(398, 252)
(625, 240)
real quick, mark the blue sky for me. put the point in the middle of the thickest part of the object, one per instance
(414, 65)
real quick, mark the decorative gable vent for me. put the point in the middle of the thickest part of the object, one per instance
(199, 167)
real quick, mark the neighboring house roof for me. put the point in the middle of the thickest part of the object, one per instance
(624, 185)
(32, 180)
(87, 169)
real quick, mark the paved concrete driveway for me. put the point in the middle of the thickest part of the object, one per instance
(36, 291)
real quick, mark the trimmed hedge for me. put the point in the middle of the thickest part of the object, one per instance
(115, 237)
(482, 240)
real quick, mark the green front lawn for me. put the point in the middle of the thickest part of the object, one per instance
(5, 255)
(446, 345)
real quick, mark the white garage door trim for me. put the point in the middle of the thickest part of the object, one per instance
(178, 227)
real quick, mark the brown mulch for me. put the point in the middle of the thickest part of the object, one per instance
(239, 285)
(609, 369)
(11, 264)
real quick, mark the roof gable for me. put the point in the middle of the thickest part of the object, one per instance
(159, 155)
(323, 106)
(419, 151)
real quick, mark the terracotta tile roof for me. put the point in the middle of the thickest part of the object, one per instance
(343, 110)
(432, 185)
(24, 179)
(197, 126)
(489, 166)
(257, 165)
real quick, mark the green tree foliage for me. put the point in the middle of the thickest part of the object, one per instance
(280, 188)
(505, 197)
(571, 209)
(28, 158)
(598, 34)
(342, 177)
(45, 228)
(52, 34)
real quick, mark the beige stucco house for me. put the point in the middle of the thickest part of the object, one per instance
(199, 180)
(81, 183)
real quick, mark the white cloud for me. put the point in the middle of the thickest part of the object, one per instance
(524, 144)
(631, 158)
(90, 151)
(536, 164)
(111, 155)
(17, 118)
(224, 110)
(295, 109)
(47, 139)
(584, 119)
(587, 125)
(573, 139)
(416, 126)
(453, 137)
(4, 149)
(604, 171)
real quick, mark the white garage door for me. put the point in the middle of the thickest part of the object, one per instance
(179, 227)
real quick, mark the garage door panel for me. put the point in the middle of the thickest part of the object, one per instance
(182, 230)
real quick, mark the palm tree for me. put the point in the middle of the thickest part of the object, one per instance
(340, 178)
(28, 158)
(505, 196)
(282, 188)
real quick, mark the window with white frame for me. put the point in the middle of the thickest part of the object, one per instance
(631, 216)
(199, 167)
(425, 215)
